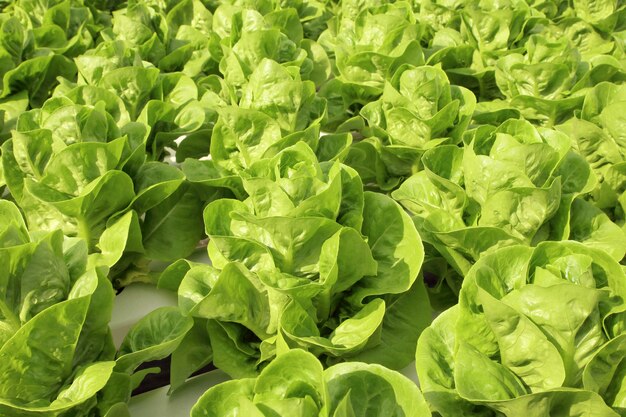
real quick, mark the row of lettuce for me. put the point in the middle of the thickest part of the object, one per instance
(356, 167)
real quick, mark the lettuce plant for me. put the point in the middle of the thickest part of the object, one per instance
(366, 50)
(71, 167)
(308, 255)
(510, 185)
(347, 389)
(537, 331)
(417, 111)
(598, 137)
(175, 36)
(276, 110)
(113, 126)
(548, 82)
(55, 344)
(37, 44)
(97, 200)
(164, 108)
(515, 184)
(57, 352)
(248, 37)
(467, 38)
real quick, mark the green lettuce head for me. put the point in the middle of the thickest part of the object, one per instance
(599, 137)
(248, 37)
(37, 44)
(548, 82)
(296, 384)
(367, 51)
(173, 35)
(509, 185)
(417, 111)
(80, 164)
(276, 110)
(536, 332)
(56, 349)
(318, 264)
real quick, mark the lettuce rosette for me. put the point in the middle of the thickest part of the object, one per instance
(604, 17)
(172, 35)
(165, 107)
(96, 200)
(591, 42)
(248, 36)
(342, 390)
(56, 349)
(598, 136)
(417, 111)
(277, 109)
(80, 164)
(548, 82)
(515, 184)
(537, 331)
(307, 260)
(366, 50)
(37, 44)
(468, 37)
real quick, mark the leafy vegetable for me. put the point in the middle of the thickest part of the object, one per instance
(528, 325)
(55, 343)
(347, 389)
(281, 135)
(417, 111)
(309, 258)
(509, 185)
(367, 46)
